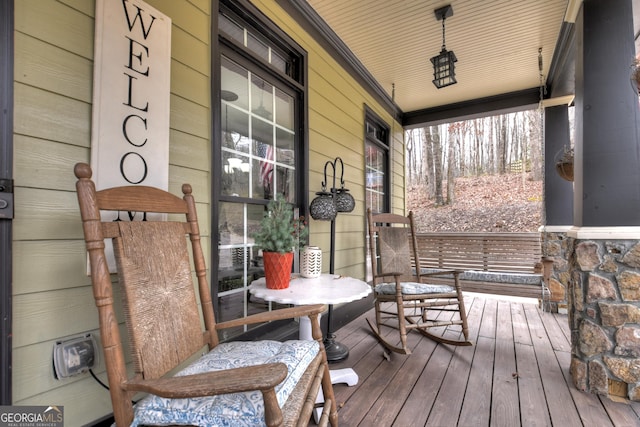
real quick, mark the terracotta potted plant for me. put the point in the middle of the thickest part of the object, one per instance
(279, 235)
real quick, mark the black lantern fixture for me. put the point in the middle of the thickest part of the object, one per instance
(444, 72)
(325, 207)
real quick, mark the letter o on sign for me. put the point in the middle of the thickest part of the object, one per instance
(133, 168)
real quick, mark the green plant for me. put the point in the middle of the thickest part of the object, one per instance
(279, 230)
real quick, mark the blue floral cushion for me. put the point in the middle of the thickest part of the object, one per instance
(237, 409)
(413, 288)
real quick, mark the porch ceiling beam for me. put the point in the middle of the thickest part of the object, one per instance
(493, 105)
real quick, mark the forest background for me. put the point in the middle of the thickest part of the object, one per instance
(484, 174)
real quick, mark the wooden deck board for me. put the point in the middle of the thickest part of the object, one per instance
(418, 405)
(521, 334)
(395, 394)
(559, 341)
(533, 406)
(451, 394)
(505, 403)
(589, 406)
(516, 373)
(505, 408)
(476, 406)
(621, 413)
(557, 394)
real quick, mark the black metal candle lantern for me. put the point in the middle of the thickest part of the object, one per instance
(344, 201)
(327, 204)
(325, 207)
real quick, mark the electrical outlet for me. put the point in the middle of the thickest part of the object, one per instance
(74, 356)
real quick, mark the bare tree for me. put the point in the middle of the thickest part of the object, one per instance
(451, 165)
(476, 154)
(428, 161)
(434, 147)
(411, 161)
(502, 145)
(535, 136)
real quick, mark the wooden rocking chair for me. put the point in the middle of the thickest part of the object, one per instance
(235, 383)
(404, 300)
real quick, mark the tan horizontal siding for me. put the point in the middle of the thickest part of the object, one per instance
(52, 300)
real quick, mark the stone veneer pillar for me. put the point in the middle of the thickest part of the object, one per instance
(557, 246)
(558, 197)
(604, 254)
(604, 293)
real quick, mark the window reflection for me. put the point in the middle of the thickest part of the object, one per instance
(258, 160)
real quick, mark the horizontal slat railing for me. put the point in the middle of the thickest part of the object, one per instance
(503, 252)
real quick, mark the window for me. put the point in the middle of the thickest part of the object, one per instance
(376, 163)
(260, 150)
(376, 153)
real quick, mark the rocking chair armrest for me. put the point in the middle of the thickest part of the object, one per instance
(258, 377)
(285, 313)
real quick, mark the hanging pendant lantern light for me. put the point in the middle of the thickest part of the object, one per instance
(444, 72)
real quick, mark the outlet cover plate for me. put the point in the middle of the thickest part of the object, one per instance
(74, 356)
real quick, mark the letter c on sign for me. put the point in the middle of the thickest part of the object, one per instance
(125, 126)
(131, 165)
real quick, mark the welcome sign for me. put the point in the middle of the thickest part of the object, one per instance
(131, 95)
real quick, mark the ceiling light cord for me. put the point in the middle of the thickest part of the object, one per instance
(444, 17)
(543, 86)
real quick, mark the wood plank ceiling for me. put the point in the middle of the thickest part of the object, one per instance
(496, 43)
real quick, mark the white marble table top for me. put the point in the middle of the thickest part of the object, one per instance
(326, 289)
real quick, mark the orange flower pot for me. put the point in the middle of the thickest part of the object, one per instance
(277, 269)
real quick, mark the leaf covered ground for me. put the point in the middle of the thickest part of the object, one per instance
(498, 203)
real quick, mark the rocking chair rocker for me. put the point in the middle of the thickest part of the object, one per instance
(404, 300)
(234, 383)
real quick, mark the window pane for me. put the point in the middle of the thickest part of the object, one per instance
(235, 128)
(376, 177)
(285, 147)
(258, 47)
(285, 105)
(261, 98)
(279, 61)
(262, 171)
(235, 174)
(285, 183)
(238, 262)
(234, 30)
(235, 79)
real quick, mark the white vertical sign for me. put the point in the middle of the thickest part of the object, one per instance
(131, 94)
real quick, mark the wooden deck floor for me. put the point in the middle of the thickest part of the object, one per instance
(516, 373)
